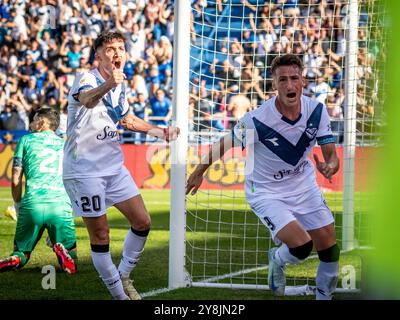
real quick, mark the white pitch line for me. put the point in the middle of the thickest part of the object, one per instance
(156, 292)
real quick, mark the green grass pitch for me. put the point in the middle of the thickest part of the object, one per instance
(152, 271)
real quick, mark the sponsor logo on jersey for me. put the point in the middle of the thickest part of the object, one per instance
(107, 133)
(286, 172)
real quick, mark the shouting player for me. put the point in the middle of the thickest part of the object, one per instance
(94, 174)
(281, 188)
(45, 204)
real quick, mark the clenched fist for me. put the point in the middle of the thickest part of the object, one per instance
(117, 76)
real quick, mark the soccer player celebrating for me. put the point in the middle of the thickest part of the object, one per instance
(94, 175)
(45, 204)
(281, 186)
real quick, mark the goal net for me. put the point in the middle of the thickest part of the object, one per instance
(232, 45)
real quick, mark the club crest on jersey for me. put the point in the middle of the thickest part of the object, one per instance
(311, 133)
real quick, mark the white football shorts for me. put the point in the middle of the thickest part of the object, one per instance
(90, 197)
(309, 209)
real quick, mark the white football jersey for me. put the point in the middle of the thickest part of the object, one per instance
(277, 162)
(93, 146)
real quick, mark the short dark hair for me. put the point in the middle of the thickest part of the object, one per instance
(107, 37)
(51, 115)
(286, 60)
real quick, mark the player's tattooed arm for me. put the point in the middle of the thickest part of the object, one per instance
(90, 98)
(331, 164)
(16, 180)
(133, 123)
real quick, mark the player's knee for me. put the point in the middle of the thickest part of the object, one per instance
(303, 251)
(101, 235)
(330, 254)
(143, 224)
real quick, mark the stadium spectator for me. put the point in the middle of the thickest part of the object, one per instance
(228, 79)
(140, 109)
(161, 109)
(238, 105)
(18, 24)
(26, 70)
(319, 89)
(31, 92)
(73, 54)
(34, 51)
(9, 118)
(152, 11)
(138, 82)
(163, 54)
(31, 45)
(18, 101)
(129, 69)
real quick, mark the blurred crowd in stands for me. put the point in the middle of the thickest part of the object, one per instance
(44, 43)
(236, 75)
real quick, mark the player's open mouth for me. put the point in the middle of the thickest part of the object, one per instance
(291, 95)
(117, 64)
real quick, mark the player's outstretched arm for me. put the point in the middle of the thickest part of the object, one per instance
(91, 98)
(133, 123)
(331, 164)
(218, 149)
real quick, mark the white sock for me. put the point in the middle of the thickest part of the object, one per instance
(283, 256)
(133, 248)
(327, 278)
(109, 274)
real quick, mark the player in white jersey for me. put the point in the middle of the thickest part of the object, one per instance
(93, 171)
(280, 181)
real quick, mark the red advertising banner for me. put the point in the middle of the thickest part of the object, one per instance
(150, 167)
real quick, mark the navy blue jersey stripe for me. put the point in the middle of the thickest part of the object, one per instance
(283, 148)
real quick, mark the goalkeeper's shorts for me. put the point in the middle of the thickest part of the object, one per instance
(34, 218)
(90, 197)
(309, 209)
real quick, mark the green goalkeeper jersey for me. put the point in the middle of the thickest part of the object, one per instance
(40, 155)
